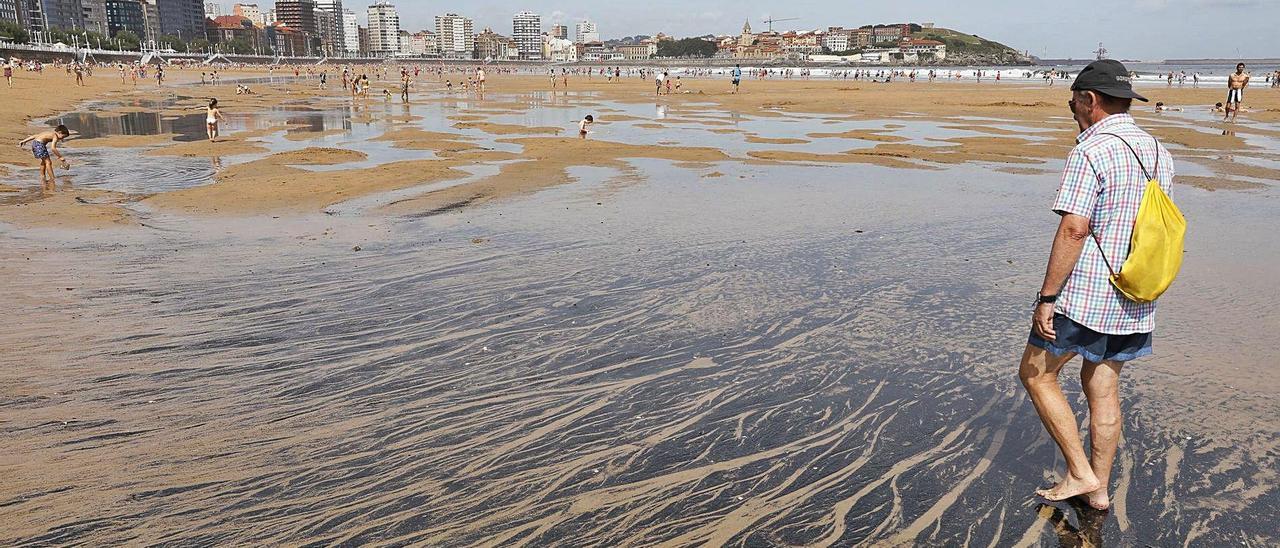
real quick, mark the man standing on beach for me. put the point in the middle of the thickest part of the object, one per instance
(737, 78)
(1236, 82)
(1078, 311)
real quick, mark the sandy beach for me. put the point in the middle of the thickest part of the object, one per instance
(786, 316)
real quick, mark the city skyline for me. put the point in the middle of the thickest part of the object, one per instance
(1244, 32)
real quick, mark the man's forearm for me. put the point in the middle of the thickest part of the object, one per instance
(1068, 244)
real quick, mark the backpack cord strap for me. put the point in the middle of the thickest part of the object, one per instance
(1146, 174)
(1141, 166)
(1100, 252)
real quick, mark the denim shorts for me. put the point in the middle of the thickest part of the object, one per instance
(1093, 346)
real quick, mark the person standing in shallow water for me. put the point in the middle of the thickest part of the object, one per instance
(212, 116)
(1236, 82)
(1078, 312)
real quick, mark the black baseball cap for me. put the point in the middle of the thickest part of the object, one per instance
(1108, 77)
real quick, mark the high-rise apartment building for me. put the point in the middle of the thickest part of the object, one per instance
(299, 15)
(14, 11)
(324, 35)
(350, 32)
(455, 36)
(585, 32)
(560, 32)
(526, 30)
(182, 18)
(33, 18)
(150, 19)
(250, 12)
(57, 14)
(384, 30)
(213, 10)
(330, 29)
(35, 15)
(93, 14)
(125, 15)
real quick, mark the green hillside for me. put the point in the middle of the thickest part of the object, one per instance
(960, 43)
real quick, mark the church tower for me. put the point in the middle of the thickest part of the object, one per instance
(747, 37)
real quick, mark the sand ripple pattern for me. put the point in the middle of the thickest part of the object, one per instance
(544, 392)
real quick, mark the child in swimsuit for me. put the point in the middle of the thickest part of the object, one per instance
(42, 146)
(584, 124)
(212, 116)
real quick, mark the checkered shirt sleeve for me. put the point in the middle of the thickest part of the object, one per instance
(1080, 187)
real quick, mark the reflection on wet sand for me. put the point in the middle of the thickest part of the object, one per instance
(1088, 532)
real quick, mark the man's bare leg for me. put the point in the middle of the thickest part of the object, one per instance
(1039, 373)
(1101, 383)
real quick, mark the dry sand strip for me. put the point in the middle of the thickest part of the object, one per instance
(274, 185)
(546, 161)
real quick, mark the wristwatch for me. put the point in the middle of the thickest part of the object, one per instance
(1041, 298)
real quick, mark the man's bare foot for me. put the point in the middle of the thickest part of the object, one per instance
(1098, 500)
(1070, 487)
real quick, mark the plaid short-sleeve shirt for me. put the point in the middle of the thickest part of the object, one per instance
(1104, 182)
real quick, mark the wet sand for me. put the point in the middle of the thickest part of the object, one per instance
(785, 317)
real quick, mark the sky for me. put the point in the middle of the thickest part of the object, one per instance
(1130, 29)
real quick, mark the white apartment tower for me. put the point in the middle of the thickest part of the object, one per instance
(455, 36)
(350, 32)
(384, 30)
(213, 9)
(586, 31)
(526, 30)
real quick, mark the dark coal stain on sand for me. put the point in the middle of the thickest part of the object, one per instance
(676, 388)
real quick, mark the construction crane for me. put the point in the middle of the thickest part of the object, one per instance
(770, 21)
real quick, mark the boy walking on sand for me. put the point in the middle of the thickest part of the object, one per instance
(8, 74)
(42, 146)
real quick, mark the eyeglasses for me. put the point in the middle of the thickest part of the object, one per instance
(1071, 105)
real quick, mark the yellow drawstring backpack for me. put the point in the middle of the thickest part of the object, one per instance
(1155, 250)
